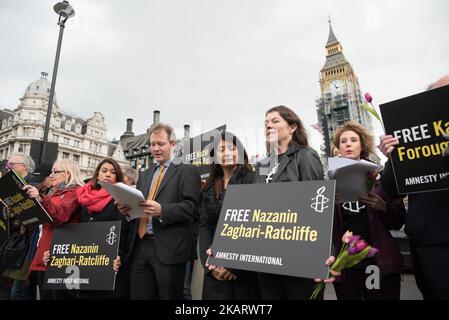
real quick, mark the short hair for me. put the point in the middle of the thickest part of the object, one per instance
(27, 161)
(165, 127)
(73, 171)
(366, 139)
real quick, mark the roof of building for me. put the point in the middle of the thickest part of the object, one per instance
(135, 142)
(39, 87)
(66, 117)
(332, 39)
(5, 114)
(334, 61)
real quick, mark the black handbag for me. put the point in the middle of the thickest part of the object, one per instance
(14, 250)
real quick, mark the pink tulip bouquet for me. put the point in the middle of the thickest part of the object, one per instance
(353, 250)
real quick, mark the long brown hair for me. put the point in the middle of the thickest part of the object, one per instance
(216, 173)
(118, 172)
(300, 137)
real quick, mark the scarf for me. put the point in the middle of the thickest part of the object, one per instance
(93, 200)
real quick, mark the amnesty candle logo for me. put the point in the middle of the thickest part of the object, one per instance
(111, 237)
(319, 201)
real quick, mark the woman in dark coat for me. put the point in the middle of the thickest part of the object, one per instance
(97, 205)
(289, 159)
(230, 166)
(371, 217)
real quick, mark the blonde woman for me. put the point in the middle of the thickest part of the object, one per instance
(61, 204)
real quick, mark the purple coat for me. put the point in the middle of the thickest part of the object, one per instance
(389, 258)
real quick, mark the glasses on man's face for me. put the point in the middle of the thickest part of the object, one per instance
(10, 165)
(53, 171)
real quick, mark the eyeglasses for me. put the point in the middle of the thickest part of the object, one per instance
(56, 171)
(9, 165)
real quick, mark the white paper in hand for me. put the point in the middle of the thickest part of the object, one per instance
(127, 195)
(351, 177)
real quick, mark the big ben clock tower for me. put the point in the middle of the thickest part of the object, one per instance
(341, 97)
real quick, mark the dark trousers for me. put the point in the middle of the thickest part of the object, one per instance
(43, 293)
(5, 288)
(23, 290)
(151, 279)
(279, 287)
(188, 281)
(431, 267)
(352, 286)
(245, 287)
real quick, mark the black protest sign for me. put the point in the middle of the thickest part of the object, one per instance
(281, 228)
(19, 205)
(419, 122)
(82, 255)
(197, 150)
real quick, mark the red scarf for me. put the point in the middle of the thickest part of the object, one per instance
(93, 200)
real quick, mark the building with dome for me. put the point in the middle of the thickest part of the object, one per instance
(73, 137)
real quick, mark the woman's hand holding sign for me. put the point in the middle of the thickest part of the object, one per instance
(117, 264)
(333, 273)
(219, 273)
(387, 144)
(32, 192)
(46, 257)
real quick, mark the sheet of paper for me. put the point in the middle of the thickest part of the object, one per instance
(351, 177)
(125, 194)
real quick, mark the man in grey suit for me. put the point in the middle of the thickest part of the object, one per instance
(160, 243)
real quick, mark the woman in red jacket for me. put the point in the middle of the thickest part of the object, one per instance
(61, 204)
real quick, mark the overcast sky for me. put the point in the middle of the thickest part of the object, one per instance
(209, 62)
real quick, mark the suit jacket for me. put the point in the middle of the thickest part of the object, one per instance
(178, 195)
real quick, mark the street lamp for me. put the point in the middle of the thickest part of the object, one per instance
(64, 11)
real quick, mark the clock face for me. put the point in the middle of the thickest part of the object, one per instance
(337, 87)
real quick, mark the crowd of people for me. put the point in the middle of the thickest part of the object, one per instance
(181, 213)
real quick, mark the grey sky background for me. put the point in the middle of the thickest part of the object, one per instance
(208, 63)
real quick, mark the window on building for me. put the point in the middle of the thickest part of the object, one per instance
(92, 163)
(66, 141)
(29, 131)
(76, 144)
(55, 138)
(24, 147)
(76, 158)
(65, 155)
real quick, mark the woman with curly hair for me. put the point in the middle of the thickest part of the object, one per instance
(371, 217)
